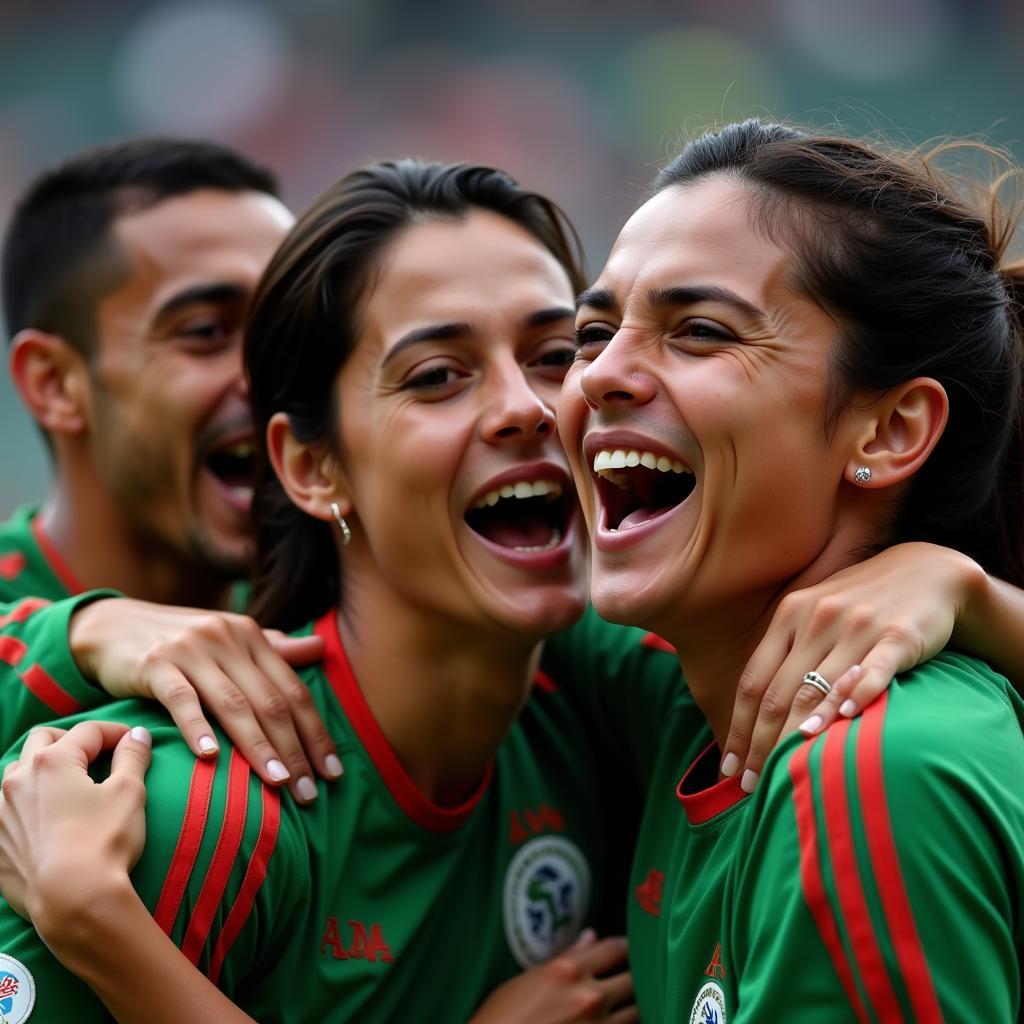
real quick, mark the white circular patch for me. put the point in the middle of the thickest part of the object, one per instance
(709, 1006)
(547, 892)
(17, 991)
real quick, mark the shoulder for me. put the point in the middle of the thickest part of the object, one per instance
(18, 575)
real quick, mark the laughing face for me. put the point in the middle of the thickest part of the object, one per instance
(694, 415)
(171, 435)
(448, 456)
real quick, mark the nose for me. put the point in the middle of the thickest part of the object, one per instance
(616, 377)
(515, 412)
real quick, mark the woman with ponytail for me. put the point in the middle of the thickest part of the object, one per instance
(828, 339)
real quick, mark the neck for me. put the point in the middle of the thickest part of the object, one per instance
(98, 545)
(715, 644)
(443, 695)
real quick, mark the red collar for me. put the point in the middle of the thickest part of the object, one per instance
(424, 812)
(53, 559)
(708, 803)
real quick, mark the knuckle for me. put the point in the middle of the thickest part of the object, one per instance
(790, 606)
(806, 697)
(299, 696)
(233, 702)
(750, 687)
(563, 970)
(826, 611)
(11, 780)
(274, 707)
(321, 739)
(131, 789)
(588, 1001)
(213, 627)
(773, 706)
(179, 694)
(860, 617)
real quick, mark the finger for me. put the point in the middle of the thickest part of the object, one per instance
(315, 740)
(132, 755)
(877, 668)
(586, 938)
(296, 650)
(39, 738)
(84, 742)
(828, 710)
(617, 989)
(273, 713)
(757, 674)
(171, 687)
(234, 712)
(602, 957)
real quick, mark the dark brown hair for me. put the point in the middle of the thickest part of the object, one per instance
(911, 270)
(304, 323)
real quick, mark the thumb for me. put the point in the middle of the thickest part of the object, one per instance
(296, 650)
(133, 754)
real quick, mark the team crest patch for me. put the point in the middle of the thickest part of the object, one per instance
(17, 991)
(709, 1006)
(547, 892)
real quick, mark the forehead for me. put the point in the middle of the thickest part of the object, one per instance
(192, 239)
(476, 267)
(701, 231)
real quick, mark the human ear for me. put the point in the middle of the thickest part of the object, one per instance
(899, 433)
(308, 472)
(53, 381)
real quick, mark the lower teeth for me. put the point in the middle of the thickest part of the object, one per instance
(556, 537)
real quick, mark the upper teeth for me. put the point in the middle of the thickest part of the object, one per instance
(621, 458)
(521, 489)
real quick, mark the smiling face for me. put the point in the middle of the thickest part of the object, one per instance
(462, 501)
(694, 414)
(171, 434)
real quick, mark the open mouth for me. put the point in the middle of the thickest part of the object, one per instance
(636, 486)
(234, 466)
(525, 516)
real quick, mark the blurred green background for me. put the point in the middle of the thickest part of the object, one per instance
(581, 99)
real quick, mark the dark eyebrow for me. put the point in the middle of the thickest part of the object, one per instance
(216, 294)
(599, 298)
(435, 332)
(704, 293)
(455, 331)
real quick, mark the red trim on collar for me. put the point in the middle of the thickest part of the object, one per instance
(53, 558)
(424, 812)
(708, 803)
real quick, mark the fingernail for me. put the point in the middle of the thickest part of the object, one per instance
(812, 725)
(306, 788)
(749, 781)
(141, 735)
(333, 766)
(207, 745)
(848, 709)
(730, 765)
(277, 771)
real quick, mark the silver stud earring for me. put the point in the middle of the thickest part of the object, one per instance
(346, 533)
(862, 475)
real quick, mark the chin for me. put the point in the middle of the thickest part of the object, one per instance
(544, 614)
(629, 602)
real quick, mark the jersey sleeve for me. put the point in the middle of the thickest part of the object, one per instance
(39, 680)
(224, 871)
(624, 681)
(881, 867)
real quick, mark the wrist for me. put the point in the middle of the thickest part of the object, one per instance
(85, 632)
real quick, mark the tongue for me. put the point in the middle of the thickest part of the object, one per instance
(641, 516)
(522, 532)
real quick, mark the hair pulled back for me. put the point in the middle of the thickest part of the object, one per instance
(911, 272)
(305, 321)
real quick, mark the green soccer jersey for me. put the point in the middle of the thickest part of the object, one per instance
(876, 874)
(373, 904)
(30, 566)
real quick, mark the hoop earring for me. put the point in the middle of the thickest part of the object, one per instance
(862, 475)
(346, 533)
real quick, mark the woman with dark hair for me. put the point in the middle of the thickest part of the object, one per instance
(858, 306)
(405, 346)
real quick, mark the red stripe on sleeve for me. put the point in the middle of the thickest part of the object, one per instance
(197, 807)
(12, 650)
(810, 875)
(255, 873)
(53, 558)
(22, 610)
(44, 687)
(223, 859)
(544, 682)
(846, 872)
(886, 866)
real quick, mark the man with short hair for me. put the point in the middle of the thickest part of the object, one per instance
(126, 275)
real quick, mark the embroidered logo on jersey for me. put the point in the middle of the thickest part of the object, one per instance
(364, 945)
(715, 967)
(648, 892)
(17, 991)
(547, 892)
(709, 1006)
